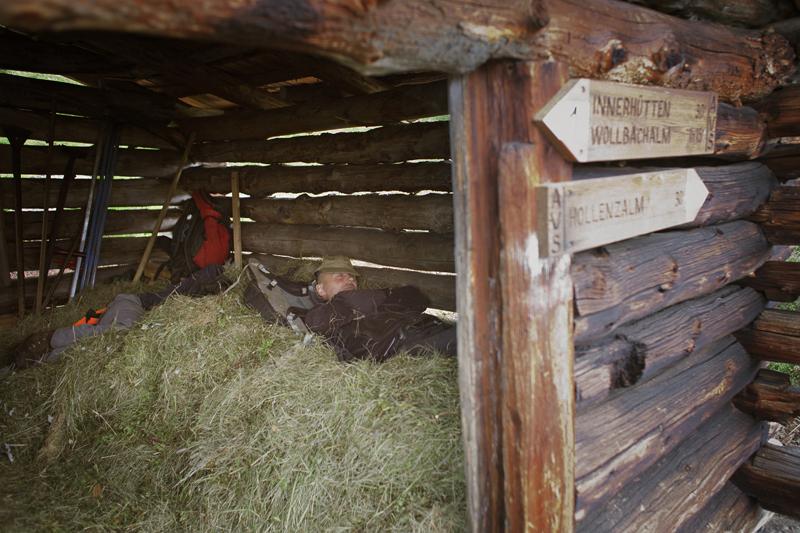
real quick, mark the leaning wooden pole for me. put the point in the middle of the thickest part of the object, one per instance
(43, 264)
(237, 222)
(163, 212)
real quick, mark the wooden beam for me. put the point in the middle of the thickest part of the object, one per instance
(604, 39)
(18, 52)
(682, 482)
(537, 351)
(116, 250)
(625, 281)
(746, 13)
(728, 510)
(649, 420)
(770, 397)
(773, 336)
(403, 103)
(781, 112)
(772, 476)
(780, 281)
(335, 74)
(784, 168)
(261, 181)
(779, 217)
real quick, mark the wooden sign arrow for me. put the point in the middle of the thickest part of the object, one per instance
(578, 215)
(590, 120)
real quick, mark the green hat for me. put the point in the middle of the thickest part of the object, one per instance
(337, 263)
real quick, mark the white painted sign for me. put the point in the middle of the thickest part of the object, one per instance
(590, 120)
(579, 215)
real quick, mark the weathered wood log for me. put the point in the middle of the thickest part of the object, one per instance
(125, 193)
(770, 397)
(741, 132)
(639, 351)
(8, 295)
(728, 510)
(772, 476)
(747, 13)
(625, 281)
(429, 212)
(18, 52)
(682, 482)
(130, 162)
(440, 289)
(773, 336)
(778, 280)
(76, 129)
(784, 168)
(338, 75)
(779, 218)
(781, 112)
(600, 39)
(414, 250)
(301, 94)
(388, 144)
(115, 251)
(261, 181)
(537, 398)
(619, 439)
(403, 103)
(790, 29)
(118, 222)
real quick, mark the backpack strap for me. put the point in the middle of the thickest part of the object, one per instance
(282, 295)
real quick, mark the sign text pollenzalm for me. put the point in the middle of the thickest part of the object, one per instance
(579, 215)
(590, 120)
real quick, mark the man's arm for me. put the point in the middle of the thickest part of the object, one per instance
(404, 299)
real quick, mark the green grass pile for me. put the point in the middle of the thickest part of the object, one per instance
(203, 417)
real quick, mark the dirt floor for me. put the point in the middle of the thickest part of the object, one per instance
(782, 524)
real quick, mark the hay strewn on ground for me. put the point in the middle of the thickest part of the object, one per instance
(206, 418)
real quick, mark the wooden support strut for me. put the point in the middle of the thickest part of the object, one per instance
(237, 223)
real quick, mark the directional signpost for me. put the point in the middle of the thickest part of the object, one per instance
(578, 215)
(591, 120)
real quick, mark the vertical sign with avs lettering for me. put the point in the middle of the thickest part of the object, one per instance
(578, 215)
(591, 120)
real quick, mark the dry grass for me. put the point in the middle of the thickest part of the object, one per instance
(205, 418)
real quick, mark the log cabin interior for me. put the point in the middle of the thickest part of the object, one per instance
(619, 388)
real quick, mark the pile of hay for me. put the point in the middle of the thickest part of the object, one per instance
(205, 418)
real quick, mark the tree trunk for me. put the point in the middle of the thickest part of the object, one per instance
(773, 336)
(770, 397)
(772, 476)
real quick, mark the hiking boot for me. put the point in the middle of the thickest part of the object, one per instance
(33, 349)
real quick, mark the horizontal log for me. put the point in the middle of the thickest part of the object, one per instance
(772, 476)
(741, 132)
(744, 13)
(773, 336)
(639, 351)
(79, 130)
(118, 222)
(600, 39)
(114, 251)
(682, 482)
(130, 162)
(625, 281)
(779, 280)
(728, 510)
(410, 102)
(770, 397)
(781, 112)
(21, 53)
(789, 28)
(618, 440)
(124, 193)
(8, 295)
(440, 289)
(429, 212)
(784, 168)
(389, 144)
(414, 250)
(779, 218)
(261, 181)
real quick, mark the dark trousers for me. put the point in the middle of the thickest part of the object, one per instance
(208, 272)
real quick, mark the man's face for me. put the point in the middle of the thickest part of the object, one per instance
(331, 284)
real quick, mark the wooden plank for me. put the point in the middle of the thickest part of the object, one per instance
(625, 281)
(779, 280)
(729, 510)
(772, 476)
(637, 352)
(601, 38)
(261, 181)
(440, 289)
(415, 250)
(770, 397)
(773, 336)
(618, 440)
(403, 103)
(537, 351)
(586, 214)
(389, 144)
(591, 120)
(682, 482)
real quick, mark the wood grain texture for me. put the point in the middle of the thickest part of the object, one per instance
(619, 439)
(747, 13)
(682, 482)
(638, 351)
(781, 112)
(728, 510)
(770, 397)
(780, 216)
(773, 336)
(621, 282)
(537, 350)
(772, 476)
(779, 280)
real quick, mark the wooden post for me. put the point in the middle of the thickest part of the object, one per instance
(44, 266)
(489, 107)
(164, 209)
(237, 223)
